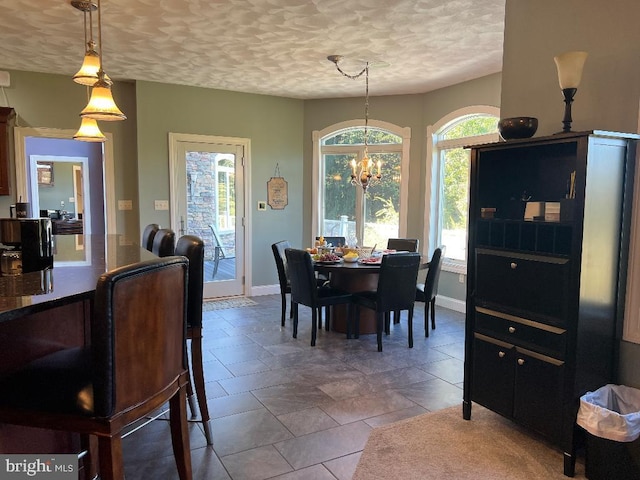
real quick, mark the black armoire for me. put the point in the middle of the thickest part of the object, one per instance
(549, 225)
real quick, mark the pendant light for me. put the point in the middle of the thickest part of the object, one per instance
(101, 105)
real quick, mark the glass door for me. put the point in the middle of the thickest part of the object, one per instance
(208, 201)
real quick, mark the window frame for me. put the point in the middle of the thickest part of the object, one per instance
(434, 172)
(319, 150)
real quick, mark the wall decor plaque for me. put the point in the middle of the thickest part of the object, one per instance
(277, 191)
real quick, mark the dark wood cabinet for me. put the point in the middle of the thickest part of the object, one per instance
(543, 296)
(7, 114)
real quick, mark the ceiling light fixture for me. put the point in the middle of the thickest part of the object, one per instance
(362, 172)
(101, 105)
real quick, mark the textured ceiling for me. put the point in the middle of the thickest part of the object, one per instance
(273, 47)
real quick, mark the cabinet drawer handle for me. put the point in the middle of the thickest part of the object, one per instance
(521, 361)
(501, 354)
(514, 265)
(512, 329)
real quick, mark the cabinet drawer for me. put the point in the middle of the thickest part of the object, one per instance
(519, 331)
(523, 283)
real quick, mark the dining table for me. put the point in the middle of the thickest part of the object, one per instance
(354, 277)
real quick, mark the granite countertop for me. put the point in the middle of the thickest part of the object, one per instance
(78, 262)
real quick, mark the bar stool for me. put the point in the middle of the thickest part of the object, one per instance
(148, 234)
(192, 247)
(100, 389)
(164, 242)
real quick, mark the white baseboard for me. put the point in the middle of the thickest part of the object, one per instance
(451, 303)
(446, 302)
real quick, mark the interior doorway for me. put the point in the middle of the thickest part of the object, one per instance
(59, 142)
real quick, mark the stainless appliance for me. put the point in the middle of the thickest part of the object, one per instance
(32, 237)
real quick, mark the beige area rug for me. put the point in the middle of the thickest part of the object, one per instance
(443, 446)
(222, 303)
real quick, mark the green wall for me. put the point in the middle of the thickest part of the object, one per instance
(274, 126)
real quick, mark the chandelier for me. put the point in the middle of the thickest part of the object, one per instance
(363, 172)
(101, 105)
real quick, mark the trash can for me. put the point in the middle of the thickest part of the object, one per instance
(611, 417)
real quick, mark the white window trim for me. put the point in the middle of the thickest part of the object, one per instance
(316, 187)
(432, 171)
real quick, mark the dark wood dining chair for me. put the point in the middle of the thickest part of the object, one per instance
(305, 291)
(396, 291)
(100, 389)
(164, 243)
(279, 256)
(426, 292)
(148, 235)
(402, 245)
(192, 247)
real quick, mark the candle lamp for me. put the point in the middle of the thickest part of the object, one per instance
(569, 65)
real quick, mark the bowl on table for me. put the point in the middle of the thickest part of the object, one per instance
(350, 257)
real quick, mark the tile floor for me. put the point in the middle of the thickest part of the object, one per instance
(282, 409)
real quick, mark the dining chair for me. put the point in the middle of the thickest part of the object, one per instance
(396, 291)
(402, 245)
(305, 291)
(164, 242)
(279, 256)
(192, 247)
(100, 389)
(426, 292)
(148, 235)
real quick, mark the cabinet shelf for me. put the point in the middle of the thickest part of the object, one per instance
(536, 237)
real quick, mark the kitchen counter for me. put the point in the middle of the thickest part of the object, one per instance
(78, 262)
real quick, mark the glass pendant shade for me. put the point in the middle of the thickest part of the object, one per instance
(89, 131)
(570, 65)
(101, 105)
(88, 73)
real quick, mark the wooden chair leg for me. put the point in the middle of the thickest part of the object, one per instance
(284, 308)
(191, 400)
(314, 324)
(379, 321)
(110, 457)
(180, 434)
(294, 307)
(410, 327)
(198, 381)
(90, 461)
(327, 317)
(426, 320)
(433, 313)
(396, 316)
(387, 323)
(356, 321)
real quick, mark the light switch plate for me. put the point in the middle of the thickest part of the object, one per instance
(161, 204)
(5, 79)
(262, 205)
(72, 200)
(125, 205)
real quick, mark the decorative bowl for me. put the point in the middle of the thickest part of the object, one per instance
(517, 127)
(350, 259)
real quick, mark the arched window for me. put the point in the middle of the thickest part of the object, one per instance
(345, 210)
(448, 181)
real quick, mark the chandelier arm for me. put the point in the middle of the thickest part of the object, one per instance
(352, 77)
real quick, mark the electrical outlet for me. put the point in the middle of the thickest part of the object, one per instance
(72, 200)
(5, 79)
(125, 205)
(161, 204)
(461, 278)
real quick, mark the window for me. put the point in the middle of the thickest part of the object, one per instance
(345, 210)
(449, 180)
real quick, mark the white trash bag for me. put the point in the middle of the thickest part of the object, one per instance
(611, 412)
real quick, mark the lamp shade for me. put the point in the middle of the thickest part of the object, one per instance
(88, 73)
(569, 65)
(89, 131)
(101, 105)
